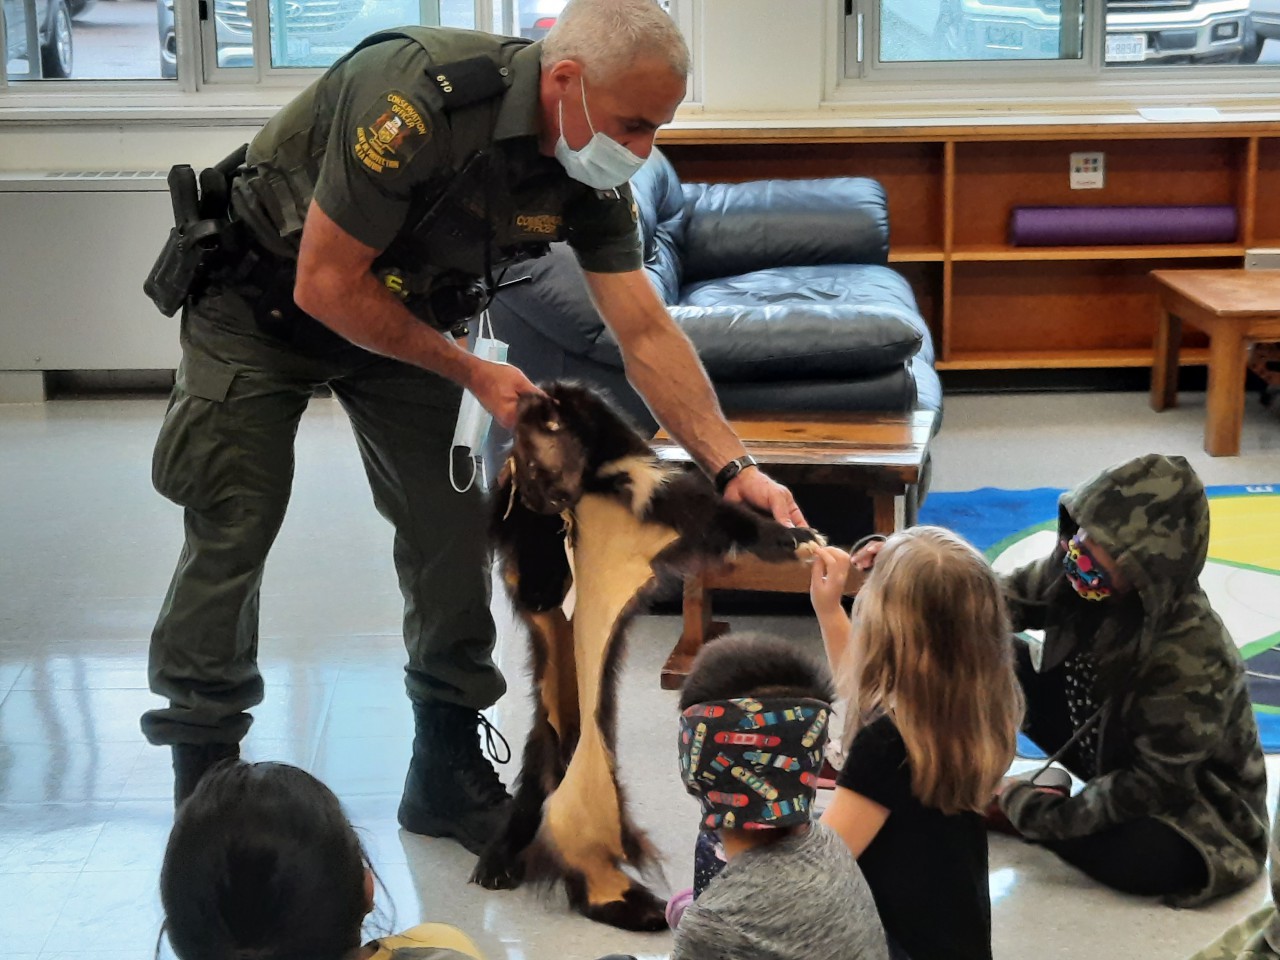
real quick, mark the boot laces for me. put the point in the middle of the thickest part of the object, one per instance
(492, 738)
(476, 766)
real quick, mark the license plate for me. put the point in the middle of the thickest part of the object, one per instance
(297, 48)
(1126, 47)
(1004, 38)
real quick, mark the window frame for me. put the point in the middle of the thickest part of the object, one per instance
(966, 87)
(229, 93)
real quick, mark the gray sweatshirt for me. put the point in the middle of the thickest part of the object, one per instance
(802, 898)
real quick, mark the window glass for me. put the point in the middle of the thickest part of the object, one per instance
(1136, 33)
(533, 18)
(526, 18)
(1173, 32)
(314, 33)
(923, 30)
(89, 39)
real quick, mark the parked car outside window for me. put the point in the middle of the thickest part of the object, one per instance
(1137, 31)
(1265, 15)
(54, 30)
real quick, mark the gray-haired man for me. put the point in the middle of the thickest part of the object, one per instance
(378, 199)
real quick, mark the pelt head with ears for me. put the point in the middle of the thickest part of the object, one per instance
(560, 439)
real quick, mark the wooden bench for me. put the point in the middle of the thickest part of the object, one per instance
(879, 455)
(1235, 308)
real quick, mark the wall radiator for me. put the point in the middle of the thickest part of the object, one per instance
(74, 250)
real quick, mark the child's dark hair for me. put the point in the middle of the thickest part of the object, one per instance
(755, 665)
(262, 864)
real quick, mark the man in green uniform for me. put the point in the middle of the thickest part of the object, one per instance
(370, 207)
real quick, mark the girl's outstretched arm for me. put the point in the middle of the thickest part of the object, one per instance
(826, 593)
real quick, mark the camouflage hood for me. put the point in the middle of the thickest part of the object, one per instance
(1175, 735)
(1152, 515)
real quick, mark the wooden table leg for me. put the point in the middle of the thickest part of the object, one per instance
(1225, 401)
(884, 513)
(697, 630)
(911, 506)
(1164, 368)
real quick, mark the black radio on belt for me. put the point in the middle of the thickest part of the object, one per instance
(451, 303)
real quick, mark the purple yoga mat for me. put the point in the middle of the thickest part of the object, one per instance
(1088, 226)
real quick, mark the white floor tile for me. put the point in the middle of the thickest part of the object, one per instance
(85, 805)
(110, 910)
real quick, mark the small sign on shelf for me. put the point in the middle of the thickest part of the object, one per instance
(1088, 171)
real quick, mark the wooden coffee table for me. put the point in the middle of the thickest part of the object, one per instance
(1235, 308)
(876, 454)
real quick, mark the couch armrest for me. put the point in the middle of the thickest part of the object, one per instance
(734, 228)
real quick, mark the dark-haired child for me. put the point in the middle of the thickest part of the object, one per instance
(263, 863)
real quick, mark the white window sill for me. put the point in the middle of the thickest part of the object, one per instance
(252, 105)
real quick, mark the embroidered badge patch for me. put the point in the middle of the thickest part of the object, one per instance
(391, 134)
(542, 224)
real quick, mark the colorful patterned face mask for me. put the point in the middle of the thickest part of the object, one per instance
(1085, 575)
(753, 763)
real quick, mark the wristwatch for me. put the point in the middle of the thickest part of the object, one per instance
(732, 469)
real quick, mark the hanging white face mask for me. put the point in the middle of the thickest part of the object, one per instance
(473, 419)
(604, 163)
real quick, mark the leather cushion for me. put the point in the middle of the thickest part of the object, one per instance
(803, 323)
(735, 228)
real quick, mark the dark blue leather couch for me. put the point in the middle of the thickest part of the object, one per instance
(782, 285)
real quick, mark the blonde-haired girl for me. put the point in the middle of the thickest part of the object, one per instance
(933, 714)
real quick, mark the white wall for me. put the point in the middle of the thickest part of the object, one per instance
(84, 145)
(71, 272)
(761, 55)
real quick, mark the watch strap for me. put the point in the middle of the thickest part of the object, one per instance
(732, 469)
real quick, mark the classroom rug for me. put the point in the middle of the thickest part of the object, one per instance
(1242, 575)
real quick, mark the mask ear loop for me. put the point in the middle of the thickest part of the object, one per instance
(582, 86)
(453, 482)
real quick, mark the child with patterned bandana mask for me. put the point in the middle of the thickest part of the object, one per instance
(753, 724)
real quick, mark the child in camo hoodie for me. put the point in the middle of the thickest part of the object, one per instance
(1140, 690)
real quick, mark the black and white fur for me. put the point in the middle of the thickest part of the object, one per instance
(579, 470)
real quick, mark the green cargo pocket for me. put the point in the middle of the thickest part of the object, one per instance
(205, 378)
(193, 441)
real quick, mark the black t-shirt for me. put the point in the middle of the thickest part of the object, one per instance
(927, 871)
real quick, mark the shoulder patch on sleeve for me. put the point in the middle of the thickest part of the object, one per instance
(391, 133)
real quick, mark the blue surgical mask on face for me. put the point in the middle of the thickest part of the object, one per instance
(604, 163)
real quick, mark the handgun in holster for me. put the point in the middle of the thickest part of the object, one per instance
(201, 238)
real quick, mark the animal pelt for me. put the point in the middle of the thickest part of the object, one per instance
(585, 506)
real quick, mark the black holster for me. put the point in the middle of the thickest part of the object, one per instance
(201, 240)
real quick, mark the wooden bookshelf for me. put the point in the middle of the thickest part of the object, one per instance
(1266, 206)
(951, 190)
(994, 252)
(1060, 359)
(902, 253)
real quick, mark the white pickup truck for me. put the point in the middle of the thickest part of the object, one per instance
(1265, 15)
(1138, 31)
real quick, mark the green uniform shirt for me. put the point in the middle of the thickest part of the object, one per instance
(378, 141)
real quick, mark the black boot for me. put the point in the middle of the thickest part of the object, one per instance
(452, 789)
(191, 761)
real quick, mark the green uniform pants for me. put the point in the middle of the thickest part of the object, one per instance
(225, 454)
